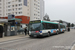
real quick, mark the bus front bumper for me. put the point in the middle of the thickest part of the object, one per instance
(35, 34)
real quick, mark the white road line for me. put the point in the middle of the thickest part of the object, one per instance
(73, 47)
(10, 41)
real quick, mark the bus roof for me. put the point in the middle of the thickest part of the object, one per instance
(49, 22)
(43, 21)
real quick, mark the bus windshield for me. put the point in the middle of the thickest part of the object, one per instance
(35, 27)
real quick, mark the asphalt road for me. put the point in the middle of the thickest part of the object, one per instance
(62, 41)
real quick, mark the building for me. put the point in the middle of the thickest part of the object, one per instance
(37, 9)
(23, 9)
(42, 9)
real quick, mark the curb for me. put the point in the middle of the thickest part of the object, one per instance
(13, 39)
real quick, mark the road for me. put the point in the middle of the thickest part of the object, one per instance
(62, 41)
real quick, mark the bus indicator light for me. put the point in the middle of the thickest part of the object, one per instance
(37, 31)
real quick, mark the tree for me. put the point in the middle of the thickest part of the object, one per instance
(60, 21)
(46, 17)
(72, 25)
(68, 24)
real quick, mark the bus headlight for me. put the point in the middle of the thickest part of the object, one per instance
(29, 33)
(41, 33)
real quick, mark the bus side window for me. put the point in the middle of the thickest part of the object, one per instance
(44, 25)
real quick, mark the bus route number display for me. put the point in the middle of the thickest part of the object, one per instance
(35, 21)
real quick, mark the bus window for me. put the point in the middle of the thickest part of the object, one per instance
(56, 26)
(35, 27)
(44, 26)
(49, 26)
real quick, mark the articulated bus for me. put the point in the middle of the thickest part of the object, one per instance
(44, 28)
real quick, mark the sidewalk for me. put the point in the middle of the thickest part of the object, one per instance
(12, 37)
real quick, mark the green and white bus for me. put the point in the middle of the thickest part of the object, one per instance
(44, 28)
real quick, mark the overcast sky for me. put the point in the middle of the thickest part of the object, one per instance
(60, 10)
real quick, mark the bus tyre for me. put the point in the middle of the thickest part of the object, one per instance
(57, 33)
(63, 31)
(48, 34)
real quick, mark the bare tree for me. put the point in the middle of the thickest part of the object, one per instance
(60, 21)
(46, 17)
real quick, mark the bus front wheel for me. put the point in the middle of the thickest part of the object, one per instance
(57, 33)
(49, 34)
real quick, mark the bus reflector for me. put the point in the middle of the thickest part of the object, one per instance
(37, 31)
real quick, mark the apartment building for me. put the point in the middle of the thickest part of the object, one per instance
(1, 7)
(24, 9)
(42, 12)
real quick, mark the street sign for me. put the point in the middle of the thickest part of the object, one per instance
(11, 17)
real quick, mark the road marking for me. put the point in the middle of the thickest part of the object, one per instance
(73, 47)
(14, 40)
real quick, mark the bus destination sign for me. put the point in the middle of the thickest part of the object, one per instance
(37, 21)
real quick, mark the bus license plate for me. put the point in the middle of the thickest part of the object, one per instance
(35, 35)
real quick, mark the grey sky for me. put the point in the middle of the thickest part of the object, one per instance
(60, 9)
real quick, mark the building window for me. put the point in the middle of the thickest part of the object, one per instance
(12, 1)
(8, 2)
(34, 14)
(9, 9)
(20, 12)
(20, 4)
(20, 8)
(16, 12)
(16, 5)
(8, 13)
(13, 9)
(8, 6)
(25, 2)
(12, 5)
(28, 9)
(19, 0)
(16, 8)
(16, 0)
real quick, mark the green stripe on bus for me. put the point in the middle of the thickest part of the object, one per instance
(48, 22)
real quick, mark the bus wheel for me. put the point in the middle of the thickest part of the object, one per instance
(63, 32)
(48, 34)
(57, 33)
